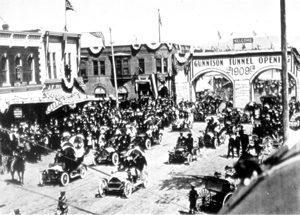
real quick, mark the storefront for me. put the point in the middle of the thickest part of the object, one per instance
(240, 76)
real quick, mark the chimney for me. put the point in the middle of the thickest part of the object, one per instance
(5, 27)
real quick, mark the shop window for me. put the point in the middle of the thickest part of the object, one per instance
(96, 67)
(54, 64)
(100, 93)
(102, 67)
(122, 93)
(3, 70)
(165, 60)
(158, 66)
(49, 65)
(141, 66)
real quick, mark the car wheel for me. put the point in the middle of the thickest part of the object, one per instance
(228, 195)
(204, 199)
(159, 138)
(83, 172)
(127, 190)
(148, 143)
(215, 143)
(64, 179)
(102, 187)
(115, 159)
(145, 179)
(189, 158)
(42, 181)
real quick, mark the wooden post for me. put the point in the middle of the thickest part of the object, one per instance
(284, 74)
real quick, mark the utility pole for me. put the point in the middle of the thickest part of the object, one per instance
(114, 69)
(284, 74)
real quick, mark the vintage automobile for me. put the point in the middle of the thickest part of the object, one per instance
(126, 179)
(215, 193)
(180, 153)
(67, 165)
(150, 137)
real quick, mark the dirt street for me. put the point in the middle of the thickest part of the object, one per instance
(167, 192)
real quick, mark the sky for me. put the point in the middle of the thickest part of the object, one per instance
(183, 21)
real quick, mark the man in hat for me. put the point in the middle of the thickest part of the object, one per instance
(17, 212)
(62, 205)
(193, 195)
(181, 139)
(230, 146)
(190, 142)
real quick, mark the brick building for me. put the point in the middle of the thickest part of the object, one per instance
(134, 66)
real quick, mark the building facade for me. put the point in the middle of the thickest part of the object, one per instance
(35, 66)
(240, 76)
(134, 65)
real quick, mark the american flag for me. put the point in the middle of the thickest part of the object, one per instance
(254, 33)
(69, 6)
(99, 35)
(159, 19)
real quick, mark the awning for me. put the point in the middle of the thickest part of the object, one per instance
(122, 90)
(100, 90)
(61, 98)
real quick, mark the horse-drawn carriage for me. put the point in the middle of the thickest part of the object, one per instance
(130, 175)
(67, 163)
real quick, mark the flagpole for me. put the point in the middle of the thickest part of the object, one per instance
(284, 74)
(65, 15)
(114, 69)
(158, 26)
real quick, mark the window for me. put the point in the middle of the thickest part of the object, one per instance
(122, 66)
(119, 67)
(165, 60)
(82, 71)
(100, 93)
(141, 66)
(54, 64)
(158, 65)
(3, 70)
(69, 60)
(102, 67)
(30, 69)
(49, 65)
(18, 69)
(96, 67)
(125, 67)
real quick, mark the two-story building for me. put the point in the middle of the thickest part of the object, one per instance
(142, 70)
(38, 73)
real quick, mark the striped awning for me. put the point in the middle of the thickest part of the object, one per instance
(61, 98)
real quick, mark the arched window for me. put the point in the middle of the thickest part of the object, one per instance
(18, 69)
(3, 70)
(100, 93)
(122, 93)
(31, 70)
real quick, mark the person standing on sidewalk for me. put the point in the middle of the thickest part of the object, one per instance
(62, 206)
(193, 195)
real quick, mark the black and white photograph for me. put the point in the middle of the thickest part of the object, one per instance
(149, 107)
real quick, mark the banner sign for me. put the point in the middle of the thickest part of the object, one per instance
(242, 93)
(18, 112)
(239, 67)
(182, 92)
(242, 40)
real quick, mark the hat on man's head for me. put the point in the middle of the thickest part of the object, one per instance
(62, 192)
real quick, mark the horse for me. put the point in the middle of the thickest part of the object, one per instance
(16, 164)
